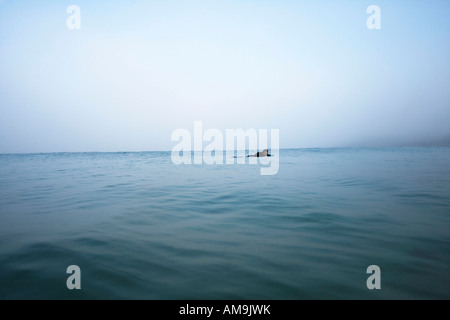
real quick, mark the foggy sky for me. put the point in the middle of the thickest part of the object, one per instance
(138, 70)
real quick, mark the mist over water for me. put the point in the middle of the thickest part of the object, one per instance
(141, 227)
(137, 70)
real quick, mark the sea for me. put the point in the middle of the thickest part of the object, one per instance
(139, 226)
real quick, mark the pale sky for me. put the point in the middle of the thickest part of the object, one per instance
(138, 70)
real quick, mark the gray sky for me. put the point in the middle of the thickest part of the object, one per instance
(138, 70)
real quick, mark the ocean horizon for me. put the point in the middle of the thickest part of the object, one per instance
(141, 227)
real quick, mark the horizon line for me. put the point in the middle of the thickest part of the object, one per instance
(292, 148)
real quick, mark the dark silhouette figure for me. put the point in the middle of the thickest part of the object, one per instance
(265, 153)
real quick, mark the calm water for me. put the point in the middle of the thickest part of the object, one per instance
(140, 227)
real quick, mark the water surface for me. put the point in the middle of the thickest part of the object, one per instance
(140, 227)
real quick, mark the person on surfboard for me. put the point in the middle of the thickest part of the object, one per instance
(265, 153)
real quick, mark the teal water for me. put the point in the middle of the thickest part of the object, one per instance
(140, 227)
